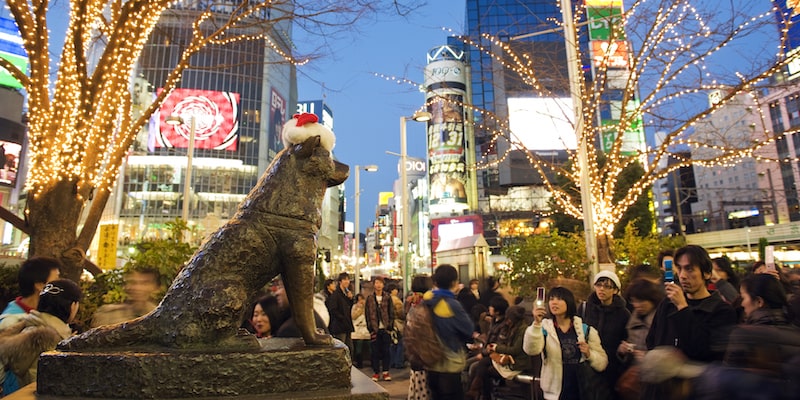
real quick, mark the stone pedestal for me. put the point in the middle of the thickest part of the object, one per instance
(285, 368)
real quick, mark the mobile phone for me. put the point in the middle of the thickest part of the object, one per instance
(769, 257)
(668, 276)
(539, 296)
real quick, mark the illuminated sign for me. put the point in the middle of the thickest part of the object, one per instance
(614, 54)
(447, 163)
(107, 246)
(9, 157)
(603, 3)
(11, 50)
(216, 118)
(443, 229)
(318, 108)
(383, 198)
(787, 13)
(605, 23)
(539, 123)
(278, 110)
(633, 137)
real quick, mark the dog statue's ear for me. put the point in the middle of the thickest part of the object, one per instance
(306, 149)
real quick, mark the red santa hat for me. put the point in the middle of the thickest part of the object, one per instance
(303, 126)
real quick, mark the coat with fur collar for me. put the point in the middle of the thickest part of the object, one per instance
(21, 343)
(535, 342)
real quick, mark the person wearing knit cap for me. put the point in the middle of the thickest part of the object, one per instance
(606, 311)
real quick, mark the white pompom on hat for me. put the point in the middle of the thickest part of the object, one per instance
(303, 126)
(608, 275)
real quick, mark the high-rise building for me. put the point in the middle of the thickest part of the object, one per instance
(733, 196)
(510, 192)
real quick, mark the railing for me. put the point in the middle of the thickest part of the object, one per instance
(779, 233)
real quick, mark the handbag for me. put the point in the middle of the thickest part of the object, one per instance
(628, 386)
(591, 385)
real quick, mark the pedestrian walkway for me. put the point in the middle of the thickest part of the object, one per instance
(397, 387)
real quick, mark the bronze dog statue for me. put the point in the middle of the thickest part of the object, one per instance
(273, 232)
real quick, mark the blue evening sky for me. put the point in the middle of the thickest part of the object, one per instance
(367, 108)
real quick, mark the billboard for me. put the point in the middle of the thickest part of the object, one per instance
(542, 123)
(216, 116)
(614, 54)
(9, 157)
(787, 13)
(444, 229)
(446, 84)
(610, 117)
(11, 50)
(603, 21)
(447, 162)
(278, 114)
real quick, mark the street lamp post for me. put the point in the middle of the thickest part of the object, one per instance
(187, 183)
(419, 116)
(574, 73)
(368, 168)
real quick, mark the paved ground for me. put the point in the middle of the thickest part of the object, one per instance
(397, 387)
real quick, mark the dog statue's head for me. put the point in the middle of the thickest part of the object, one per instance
(316, 160)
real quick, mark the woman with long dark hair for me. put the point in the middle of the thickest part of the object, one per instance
(566, 342)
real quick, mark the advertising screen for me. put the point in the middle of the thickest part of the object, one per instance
(614, 54)
(540, 123)
(787, 13)
(278, 114)
(447, 163)
(444, 229)
(11, 49)
(216, 116)
(9, 157)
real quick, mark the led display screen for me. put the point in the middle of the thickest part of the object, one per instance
(9, 157)
(216, 118)
(539, 123)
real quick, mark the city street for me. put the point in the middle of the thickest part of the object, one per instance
(397, 387)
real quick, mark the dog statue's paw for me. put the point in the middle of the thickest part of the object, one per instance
(321, 339)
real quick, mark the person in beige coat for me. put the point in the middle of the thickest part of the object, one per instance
(563, 343)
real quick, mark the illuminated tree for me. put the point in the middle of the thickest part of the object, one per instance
(678, 52)
(80, 125)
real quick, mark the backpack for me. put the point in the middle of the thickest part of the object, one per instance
(421, 343)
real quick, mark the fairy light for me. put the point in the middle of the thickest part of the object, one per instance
(80, 128)
(679, 42)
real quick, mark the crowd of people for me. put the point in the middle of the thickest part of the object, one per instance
(707, 333)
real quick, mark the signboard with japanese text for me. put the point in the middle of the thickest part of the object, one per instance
(605, 23)
(107, 246)
(633, 140)
(612, 54)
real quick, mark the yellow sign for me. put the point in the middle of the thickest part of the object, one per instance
(603, 3)
(383, 198)
(107, 246)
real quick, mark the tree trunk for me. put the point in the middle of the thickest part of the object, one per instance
(604, 250)
(53, 217)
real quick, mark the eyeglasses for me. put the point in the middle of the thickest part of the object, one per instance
(51, 289)
(603, 286)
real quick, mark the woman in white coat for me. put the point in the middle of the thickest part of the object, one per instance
(562, 341)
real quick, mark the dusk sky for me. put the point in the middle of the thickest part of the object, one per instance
(367, 108)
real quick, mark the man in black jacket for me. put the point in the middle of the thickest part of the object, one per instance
(692, 319)
(339, 305)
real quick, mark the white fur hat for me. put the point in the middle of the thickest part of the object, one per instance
(303, 126)
(608, 275)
